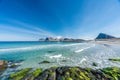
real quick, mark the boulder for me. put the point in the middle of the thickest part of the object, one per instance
(44, 62)
(3, 65)
(94, 64)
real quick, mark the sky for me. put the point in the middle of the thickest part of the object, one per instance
(29, 20)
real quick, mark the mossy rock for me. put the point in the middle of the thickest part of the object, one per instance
(113, 59)
(64, 60)
(94, 64)
(37, 72)
(68, 73)
(88, 69)
(32, 75)
(50, 51)
(44, 62)
(54, 67)
(20, 74)
(13, 66)
(69, 78)
(113, 72)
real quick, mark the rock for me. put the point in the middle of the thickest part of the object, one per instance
(104, 36)
(36, 72)
(67, 73)
(73, 73)
(20, 74)
(48, 74)
(33, 75)
(14, 65)
(94, 64)
(118, 60)
(113, 72)
(3, 65)
(50, 51)
(64, 60)
(45, 61)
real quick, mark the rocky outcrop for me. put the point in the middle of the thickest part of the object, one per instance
(114, 59)
(43, 62)
(73, 73)
(104, 36)
(67, 73)
(14, 63)
(3, 65)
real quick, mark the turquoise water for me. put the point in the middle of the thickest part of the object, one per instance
(58, 53)
(73, 54)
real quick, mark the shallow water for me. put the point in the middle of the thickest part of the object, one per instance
(59, 54)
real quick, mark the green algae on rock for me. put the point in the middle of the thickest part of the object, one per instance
(113, 72)
(33, 74)
(13, 66)
(64, 60)
(36, 72)
(94, 64)
(20, 74)
(69, 78)
(45, 61)
(114, 59)
(73, 73)
(50, 51)
(68, 73)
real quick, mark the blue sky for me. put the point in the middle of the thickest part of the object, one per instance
(33, 19)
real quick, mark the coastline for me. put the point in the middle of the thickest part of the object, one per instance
(60, 72)
(106, 42)
(64, 73)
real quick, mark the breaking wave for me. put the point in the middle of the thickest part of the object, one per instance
(37, 47)
(54, 56)
(24, 48)
(80, 50)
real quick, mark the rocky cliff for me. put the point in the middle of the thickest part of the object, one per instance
(104, 36)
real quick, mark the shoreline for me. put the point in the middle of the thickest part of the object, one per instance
(67, 73)
(106, 42)
(64, 73)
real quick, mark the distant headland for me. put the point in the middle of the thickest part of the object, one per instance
(102, 38)
(60, 39)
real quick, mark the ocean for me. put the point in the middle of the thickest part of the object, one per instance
(59, 54)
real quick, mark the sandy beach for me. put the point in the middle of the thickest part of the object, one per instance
(115, 42)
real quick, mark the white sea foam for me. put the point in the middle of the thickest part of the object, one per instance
(83, 60)
(80, 50)
(75, 44)
(54, 56)
(37, 47)
(25, 48)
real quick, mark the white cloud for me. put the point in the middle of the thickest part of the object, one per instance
(29, 32)
(32, 27)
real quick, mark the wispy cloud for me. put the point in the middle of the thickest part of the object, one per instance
(16, 30)
(32, 27)
(26, 28)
